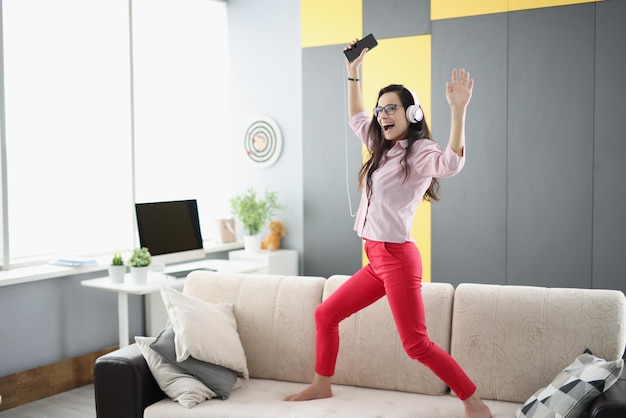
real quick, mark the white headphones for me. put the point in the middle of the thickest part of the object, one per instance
(414, 113)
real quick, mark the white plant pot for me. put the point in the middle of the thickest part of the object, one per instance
(252, 243)
(139, 275)
(116, 274)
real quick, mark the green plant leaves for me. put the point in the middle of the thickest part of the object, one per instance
(140, 257)
(254, 213)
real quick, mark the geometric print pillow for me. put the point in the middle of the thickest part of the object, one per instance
(572, 390)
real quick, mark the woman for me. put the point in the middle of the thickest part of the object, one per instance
(402, 169)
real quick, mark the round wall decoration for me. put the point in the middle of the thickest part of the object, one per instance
(263, 142)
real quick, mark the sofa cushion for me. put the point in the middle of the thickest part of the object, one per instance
(205, 331)
(259, 398)
(371, 353)
(512, 340)
(219, 379)
(275, 318)
(573, 389)
(181, 387)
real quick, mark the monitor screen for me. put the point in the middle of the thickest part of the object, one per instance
(170, 230)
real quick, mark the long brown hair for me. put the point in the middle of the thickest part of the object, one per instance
(378, 146)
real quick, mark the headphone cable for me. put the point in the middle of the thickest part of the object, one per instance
(345, 136)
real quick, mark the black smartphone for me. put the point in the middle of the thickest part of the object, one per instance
(368, 42)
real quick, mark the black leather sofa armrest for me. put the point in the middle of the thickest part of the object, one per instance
(124, 385)
(612, 403)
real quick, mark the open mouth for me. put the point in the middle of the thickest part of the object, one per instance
(388, 127)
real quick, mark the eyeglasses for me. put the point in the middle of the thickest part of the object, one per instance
(390, 109)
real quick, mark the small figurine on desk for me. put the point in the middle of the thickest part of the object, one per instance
(272, 241)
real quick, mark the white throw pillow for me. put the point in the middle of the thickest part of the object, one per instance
(573, 389)
(181, 387)
(205, 331)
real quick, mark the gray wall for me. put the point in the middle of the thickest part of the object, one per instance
(265, 71)
(46, 321)
(331, 246)
(51, 320)
(470, 219)
(541, 196)
(609, 149)
(543, 192)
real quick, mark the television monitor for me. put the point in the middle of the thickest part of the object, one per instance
(170, 230)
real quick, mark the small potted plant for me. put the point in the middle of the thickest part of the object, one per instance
(254, 213)
(139, 261)
(117, 269)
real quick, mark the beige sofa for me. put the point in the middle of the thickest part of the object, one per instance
(511, 340)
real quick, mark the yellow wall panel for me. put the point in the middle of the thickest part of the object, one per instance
(537, 4)
(448, 9)
(330, 22)
(404, 61)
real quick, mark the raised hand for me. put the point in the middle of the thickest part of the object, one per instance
(459, 89)
(354, 65)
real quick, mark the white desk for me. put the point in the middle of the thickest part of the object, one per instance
(152, 290)
(283, 262)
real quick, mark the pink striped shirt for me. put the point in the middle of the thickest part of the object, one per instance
(388, 214)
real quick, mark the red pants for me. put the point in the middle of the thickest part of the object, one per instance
(394, 270)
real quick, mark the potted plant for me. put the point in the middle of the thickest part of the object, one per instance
(117, 269)
(139, 261)
(254, 213)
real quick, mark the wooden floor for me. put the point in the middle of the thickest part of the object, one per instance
(76, 403)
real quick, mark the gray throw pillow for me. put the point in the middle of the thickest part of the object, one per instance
(217, 378)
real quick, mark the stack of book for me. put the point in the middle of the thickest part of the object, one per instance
(73, 262)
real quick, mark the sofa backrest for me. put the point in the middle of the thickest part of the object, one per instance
(513, 340)
(510, 340)
(371, 354)
(275, 319)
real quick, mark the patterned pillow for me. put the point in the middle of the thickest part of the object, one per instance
(572, 390)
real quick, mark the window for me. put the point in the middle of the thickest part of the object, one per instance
(181, 104)
(93, 125)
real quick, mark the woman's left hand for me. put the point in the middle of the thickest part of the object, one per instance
(459, 89)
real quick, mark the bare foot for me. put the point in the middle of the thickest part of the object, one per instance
(476, 408)
(320, 388)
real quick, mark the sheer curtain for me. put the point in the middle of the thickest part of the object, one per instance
(67, 113)
(181, 104)
(78, 153)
